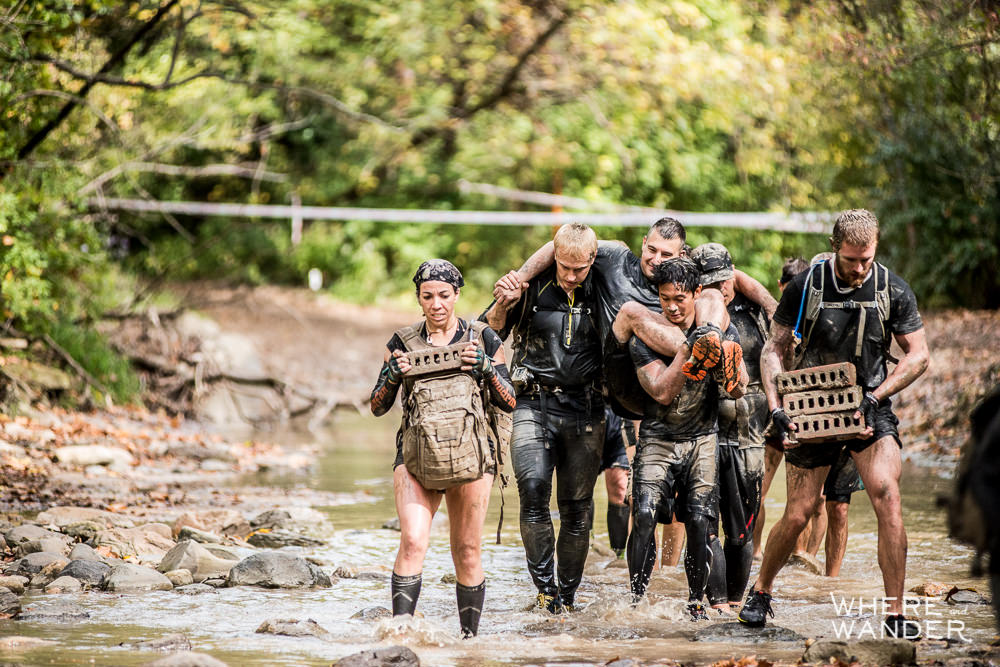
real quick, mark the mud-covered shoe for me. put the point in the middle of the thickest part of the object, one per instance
(549, 603)
(899, 627)
(705, 344)
(727, 373)
(697, 611)
(756, 609)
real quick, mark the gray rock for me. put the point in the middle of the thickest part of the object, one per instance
(372, 614)
(290, 627)
(61, 611)
(624, 662)
(63, 516)
(200, 536)
(447, 578)
(391, 524)
(33, 563)
(737, 632)
(29, 533)
(85, 552)
(187, 659)
(867, 651)
(10, 604)
(215, 583)
(64, 585)
(396, 656)
(226, 553)
(179, 577)
(271, 520)
(149, 542)
(965, 596)
(197, 560)
(83, 530)
(275, 539)
(370, 574)
(130, 578)
(174, 642)
(101, 455)
(14, 582)
(51, 544)
(195, 589)
(275, 569)
(87, 571)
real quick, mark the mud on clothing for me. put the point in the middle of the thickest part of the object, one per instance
(842, 480)
(834, 339)
(556, 334)
(615, 442)
(491, 343)
(558, 426)
(618, 278)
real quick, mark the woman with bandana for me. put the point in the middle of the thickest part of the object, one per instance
(438, 284)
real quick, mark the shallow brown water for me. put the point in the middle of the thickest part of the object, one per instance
(358, 455)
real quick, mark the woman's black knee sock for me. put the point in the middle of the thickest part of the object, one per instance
(405, 591)
(470, 607)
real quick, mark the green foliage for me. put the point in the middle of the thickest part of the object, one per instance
(92, 351)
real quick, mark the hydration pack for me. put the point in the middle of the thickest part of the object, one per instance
(812, 303)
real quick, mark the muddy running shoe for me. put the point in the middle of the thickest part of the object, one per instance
(755, 609)
(899, 627)
(549, 603)
(697, 611)
(705, 344)
(727, 373)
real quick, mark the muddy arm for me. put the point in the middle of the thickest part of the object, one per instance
(752, 289)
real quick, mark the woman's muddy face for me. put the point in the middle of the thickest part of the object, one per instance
(437, 300)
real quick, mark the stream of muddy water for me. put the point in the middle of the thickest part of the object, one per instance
(357, 455)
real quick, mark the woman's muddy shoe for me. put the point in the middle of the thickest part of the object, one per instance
(756, 609)
(705, 344)
(899, 627)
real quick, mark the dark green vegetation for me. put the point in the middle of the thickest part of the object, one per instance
(708, 106)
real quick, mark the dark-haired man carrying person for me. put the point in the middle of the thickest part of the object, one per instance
(559, 419)
(846, 309)
(677, 438)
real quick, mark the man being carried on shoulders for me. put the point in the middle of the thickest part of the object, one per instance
(848, 309)
(622, 277)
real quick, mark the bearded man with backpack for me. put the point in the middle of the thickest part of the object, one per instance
(848, 309)
(453, 375)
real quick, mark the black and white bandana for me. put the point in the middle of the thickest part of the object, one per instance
(438, 269)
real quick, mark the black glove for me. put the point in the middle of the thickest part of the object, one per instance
(868, 407)
(393, 372)
(482, 366)
(782, 423)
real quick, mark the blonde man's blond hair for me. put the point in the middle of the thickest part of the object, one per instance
(576, 238)
(857, 226)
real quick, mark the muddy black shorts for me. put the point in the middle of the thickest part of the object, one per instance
(842, 480)
(614, 455)
(675, 476)
(819, 454)
(741, 474)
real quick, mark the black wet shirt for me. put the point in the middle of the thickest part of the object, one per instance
(834, 335)
(555, 333)
(618, 278)
(751, 322)
(695, 410)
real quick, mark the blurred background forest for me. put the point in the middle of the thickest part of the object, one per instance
(715, 105)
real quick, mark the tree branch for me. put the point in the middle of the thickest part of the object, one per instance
(207, 170)
(116, 58)
(119, 81)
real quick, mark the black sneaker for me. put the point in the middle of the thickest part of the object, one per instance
(755, 609)
(549, 603)
(897, 626)
(697, 611)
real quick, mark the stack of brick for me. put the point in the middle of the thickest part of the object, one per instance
(821, 401)
(435, 359)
